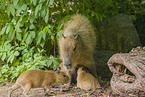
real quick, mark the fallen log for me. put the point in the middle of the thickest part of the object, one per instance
(128, 72)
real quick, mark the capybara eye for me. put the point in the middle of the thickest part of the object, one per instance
(74, 48)
(64, 75)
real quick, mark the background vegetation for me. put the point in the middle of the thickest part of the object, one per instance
(29, 29)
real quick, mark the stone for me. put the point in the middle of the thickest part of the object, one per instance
(116, 35)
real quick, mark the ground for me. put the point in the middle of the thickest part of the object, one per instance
(73, 91)
(105, 91)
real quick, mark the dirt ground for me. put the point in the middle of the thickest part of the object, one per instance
(73, 91)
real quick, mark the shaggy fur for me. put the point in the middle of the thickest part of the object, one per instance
(86, 81)
(39, 79)
(78, 44)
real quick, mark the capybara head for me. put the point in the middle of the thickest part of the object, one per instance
(82, 69)
(71, 49)
(61, 77)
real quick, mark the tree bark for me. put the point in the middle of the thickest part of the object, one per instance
(120, 64)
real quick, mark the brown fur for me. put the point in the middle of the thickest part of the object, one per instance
(78, 44)
(86, 81)
(39, 79)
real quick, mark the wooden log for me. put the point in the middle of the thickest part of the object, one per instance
(134, 61)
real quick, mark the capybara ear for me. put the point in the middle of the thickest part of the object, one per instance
(63, 36)
(76, 36)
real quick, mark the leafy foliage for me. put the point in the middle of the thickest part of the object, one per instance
(29, 29)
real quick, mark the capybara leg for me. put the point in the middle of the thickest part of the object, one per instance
(70, 77)
(27, 88)
(11, 89)
(46, 90)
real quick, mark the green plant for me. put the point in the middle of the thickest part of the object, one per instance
(30, 61)
(29, 29)
(7, 52)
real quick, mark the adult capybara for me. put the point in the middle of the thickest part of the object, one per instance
(77, 45)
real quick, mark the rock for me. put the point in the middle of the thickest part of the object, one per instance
(118, 35)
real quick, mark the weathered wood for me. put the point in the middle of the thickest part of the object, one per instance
(134, 61)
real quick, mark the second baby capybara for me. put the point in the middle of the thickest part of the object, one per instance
(86, 81)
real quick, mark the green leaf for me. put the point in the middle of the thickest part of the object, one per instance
(28, 40)
(19, 10)
(44, 35)
(3, 30)
(6, 42)
(15, 2)
(47, 16)
(45, 29)
(56, 63)
(42, 43)
(21, 48)
(59, 34)
(41, 1)
(12, 9)
(49, 62)
(8, 29)
(38, 8)
(52, 37)
(20, 20)
(3, 5)
(34, 2)
(60, 26)
(26, 29)
(51, 2)
(8, 59)
(13, 35)
(43, 12)
(16, 53)
(8, 9)
(13, 21)
(24, 7)
(11, 58)
(8, 47)
(39, 37)
(32, 26)
(32, 18)
(3, 56)
(32, 33)
(18, 36)
(11, 32)
(1, 49)
(25, 36)
(17, 25)
(10, 52)
(18, 30)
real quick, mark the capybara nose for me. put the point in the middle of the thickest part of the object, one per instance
(68, 66)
